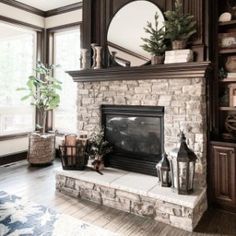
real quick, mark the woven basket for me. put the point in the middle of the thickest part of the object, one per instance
(41, 148)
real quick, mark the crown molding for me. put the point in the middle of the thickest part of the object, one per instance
(24, 7)
(13, 21)
(39, 12)
(60, 10)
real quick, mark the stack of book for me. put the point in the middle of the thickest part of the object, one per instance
(178, 56)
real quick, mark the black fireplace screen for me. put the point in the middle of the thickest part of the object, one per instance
(136, 133)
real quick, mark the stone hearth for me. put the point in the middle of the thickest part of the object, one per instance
(134, 193)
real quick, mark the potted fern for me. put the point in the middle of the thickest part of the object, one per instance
(155, 44)
(42, 89)
(179, 26)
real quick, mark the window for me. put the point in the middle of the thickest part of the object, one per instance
(17, 60)
(67, 55)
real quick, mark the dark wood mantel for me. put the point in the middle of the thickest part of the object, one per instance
(167, 71)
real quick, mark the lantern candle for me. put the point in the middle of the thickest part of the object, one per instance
(70, 141)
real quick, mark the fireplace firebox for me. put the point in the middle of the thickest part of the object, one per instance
(137, 135)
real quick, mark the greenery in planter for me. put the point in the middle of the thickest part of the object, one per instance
(43, 89)
(97, 145)
(155, 44)
(97, 148)
(179, 26)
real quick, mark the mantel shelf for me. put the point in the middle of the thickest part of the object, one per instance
(164, 71)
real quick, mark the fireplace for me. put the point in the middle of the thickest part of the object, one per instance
(137, 135)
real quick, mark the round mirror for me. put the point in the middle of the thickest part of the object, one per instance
(126, 30)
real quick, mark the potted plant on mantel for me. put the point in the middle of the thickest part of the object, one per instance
(179, 26)
(42, 89)
(155, 45)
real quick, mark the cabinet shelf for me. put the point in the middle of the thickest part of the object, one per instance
(231, 23)
(231, 80)
(227, 50)
(227, 108)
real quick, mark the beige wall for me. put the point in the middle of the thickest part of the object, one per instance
(21, 144)
(63, 19)
(13, 146)
(21, 15)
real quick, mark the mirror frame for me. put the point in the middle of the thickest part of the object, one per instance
(111, 61)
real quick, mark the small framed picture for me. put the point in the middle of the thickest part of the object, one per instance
(227, 40)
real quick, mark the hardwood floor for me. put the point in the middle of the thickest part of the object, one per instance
(38, 185)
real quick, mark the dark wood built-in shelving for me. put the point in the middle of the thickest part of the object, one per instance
(227, 51)
(227, 108)
(167, 71)
(228, 23)
(231, 80)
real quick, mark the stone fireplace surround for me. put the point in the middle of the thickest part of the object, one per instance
(184, 99)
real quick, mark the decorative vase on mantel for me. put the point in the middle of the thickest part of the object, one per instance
(156, 60)
(98, 57)
(93, 45)
(178, 44)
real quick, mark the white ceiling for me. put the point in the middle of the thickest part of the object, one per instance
(46, 5)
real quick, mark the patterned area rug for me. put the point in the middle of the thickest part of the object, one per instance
(20, 217)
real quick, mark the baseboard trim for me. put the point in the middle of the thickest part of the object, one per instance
(13, 157)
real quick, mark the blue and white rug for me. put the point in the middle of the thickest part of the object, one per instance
(24, 218)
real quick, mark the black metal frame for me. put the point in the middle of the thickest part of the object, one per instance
(125, 161)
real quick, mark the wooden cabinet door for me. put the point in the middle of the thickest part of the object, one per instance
(224, 175)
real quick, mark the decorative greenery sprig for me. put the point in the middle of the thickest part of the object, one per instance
(155, 45)
(98, 146)
(43, 90)
(179, 26)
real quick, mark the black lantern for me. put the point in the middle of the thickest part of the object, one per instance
(164, 171)
(183, 167)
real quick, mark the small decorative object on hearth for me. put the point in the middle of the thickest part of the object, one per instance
(72, 153)
(183, 167)
(98, 57)
(84, 58)
(165, 171)
(179, 26)
(96, 149)
(155, 44)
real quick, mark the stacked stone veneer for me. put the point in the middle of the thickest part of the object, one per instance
(184, 101)
(176, 215)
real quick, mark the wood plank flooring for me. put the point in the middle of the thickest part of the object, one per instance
(38, 185)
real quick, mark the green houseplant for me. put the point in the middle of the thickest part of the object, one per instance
(179, 26)
(42, 89)
(155, 44)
